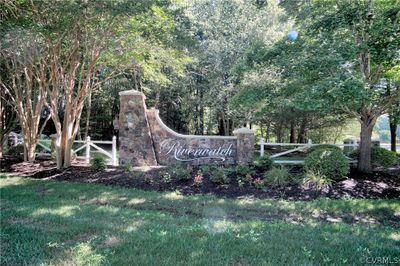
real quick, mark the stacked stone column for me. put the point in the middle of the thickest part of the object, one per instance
(136, 146)
(245, 145)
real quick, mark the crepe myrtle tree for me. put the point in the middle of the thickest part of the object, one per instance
(23, 85)
(83, 40)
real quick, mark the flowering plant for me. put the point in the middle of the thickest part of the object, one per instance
(258, 183)
(198, 179)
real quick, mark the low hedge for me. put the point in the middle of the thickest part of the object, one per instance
(323, 146)
(380, 157)
(327, 162)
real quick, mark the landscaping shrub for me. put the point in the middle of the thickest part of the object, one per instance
(219, 176)
(16, 151)
(230, 171)
(128, 167)
(205, 169)
(242, 180)
(325, 147)
(379, 157)
(181, 172)
(147, 179)
(316, 181)
(98, 163)
(139, 174)
(277, 177)
(244, 170)
(263, 163)
(327, 162)
(166, 178)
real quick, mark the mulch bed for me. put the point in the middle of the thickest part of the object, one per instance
(378, 185)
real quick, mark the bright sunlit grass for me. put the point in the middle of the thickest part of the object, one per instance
(58, 223)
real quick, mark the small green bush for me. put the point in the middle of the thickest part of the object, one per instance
(230, 171)
(128, 167)
(16, 151)
(244, 170)
(166, 178)
(263, 163)
(139, 174)
(205, 169)
(327, 162)
(181, 172)
(277, 177)
(316, 181)
(325, 147)
(379, 157)
(219, 176)
(98, 163)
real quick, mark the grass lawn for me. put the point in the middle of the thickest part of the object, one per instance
(60, 223)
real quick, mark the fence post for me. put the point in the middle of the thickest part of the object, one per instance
(262, 147)
(114, 151)
(87, 150)
(15, 140)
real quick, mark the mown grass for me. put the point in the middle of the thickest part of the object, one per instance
(59, 223)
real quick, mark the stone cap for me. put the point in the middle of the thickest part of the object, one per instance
(178, 135)
(243, 130)
(131, 92)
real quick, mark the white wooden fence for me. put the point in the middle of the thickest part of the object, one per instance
(298, 147)
(88, 144)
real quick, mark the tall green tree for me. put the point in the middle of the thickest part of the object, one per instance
(87, 43)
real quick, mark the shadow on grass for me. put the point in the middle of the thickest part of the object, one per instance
(61, 223)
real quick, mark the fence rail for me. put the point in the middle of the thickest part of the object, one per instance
(88, 144)
(298, 147)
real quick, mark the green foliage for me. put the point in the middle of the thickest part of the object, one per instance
(243, 179)
(277, 177)
(128, 167)
(147, 179)
(219, 176)
(166, 178)
(314, 180)
(205, 169)
(263, 163)
(327, 162)
(244, 170)
(325, 147)
(139, 174)
(133, 220)
(380, 157)
(98, 163)
(16, 151)
(181, 171)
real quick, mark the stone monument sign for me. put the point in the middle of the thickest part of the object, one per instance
(146, 140)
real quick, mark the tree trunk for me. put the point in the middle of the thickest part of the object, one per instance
(302, 132)
(157, 100)
(88, 110)
(364, 160)
(393, 128)
(292, 132)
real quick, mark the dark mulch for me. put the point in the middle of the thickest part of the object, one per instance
(378, 185)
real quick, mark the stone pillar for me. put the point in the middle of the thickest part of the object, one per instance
(349, 141)
(136, 146)
(245, 145)
(376, 143)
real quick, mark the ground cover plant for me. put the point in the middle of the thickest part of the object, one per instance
(61, 223)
